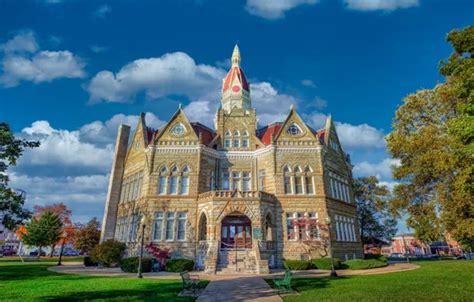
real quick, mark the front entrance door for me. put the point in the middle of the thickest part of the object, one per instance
(236, 232)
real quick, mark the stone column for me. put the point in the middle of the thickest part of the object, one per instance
(115, 184)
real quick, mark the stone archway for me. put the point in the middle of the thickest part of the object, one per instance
(236, 231)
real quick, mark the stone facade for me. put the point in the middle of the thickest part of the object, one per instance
(205, 193)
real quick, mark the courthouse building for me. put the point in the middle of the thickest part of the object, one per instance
(228, 197)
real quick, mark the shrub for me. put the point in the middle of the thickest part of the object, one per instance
(364, 263)
(379, 257)
(296, 265)
(89, 262)
(108, 253)
(179, 265)
(325, 263)
(130, 265)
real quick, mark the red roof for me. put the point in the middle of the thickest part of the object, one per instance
(265, 134)
(235, 71)
(207, 135)
(149, 134)
(320, 134)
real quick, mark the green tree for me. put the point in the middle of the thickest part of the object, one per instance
(432, 136)
(11, 202)
(87, 236)
(376, 224)
(43, 231)
(108, 253)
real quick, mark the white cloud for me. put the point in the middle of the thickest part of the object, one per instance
(98, 49)
(316, 119)
(274, 9)
(308, 83)
(319, 103)
(384, 5)
(271, 105)
(171, 74)
(360, 136)
(102, 11)
(22, 42)
(382, 169)
(22, 61)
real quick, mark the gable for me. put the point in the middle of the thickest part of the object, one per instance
(294, 129)
(178, 129)
(330, 138)
(138, 144)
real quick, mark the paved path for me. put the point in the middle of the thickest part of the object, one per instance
(237, 289)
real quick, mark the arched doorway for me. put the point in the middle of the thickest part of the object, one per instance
(202, 227)
(236, 231)
(268, 228)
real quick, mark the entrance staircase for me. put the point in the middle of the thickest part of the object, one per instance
(237, 261)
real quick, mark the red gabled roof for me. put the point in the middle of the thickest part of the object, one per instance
(149, 135)
(320, 135)
(207, 134)
(265, 134)
(235, 71)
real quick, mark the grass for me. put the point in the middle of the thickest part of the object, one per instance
(33, 282)
(433, 281)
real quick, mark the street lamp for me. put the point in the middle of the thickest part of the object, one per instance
(63, 241)
(405, 246)
(143, 224)
(328, 223)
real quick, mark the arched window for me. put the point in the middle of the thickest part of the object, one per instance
(184, 189)
(287, 180)
(174, 180)
(227, 141)
(298, 180)
(163, 180)
(245, 139)
(308, 180)
(236, 141)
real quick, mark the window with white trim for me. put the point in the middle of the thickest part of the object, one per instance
(287, 180)
(345, 228)
(182, 217)
(246, 184)
(225, 180)
(170, 216)
(158, 226)
(261, 180)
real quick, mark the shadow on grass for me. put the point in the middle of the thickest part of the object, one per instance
(149, 292)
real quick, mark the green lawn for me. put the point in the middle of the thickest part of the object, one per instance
(433, 281)
(33, 282)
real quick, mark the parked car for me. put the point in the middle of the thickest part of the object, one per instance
(397, 255)
(35, 253)
(8, 252)
(71, 253)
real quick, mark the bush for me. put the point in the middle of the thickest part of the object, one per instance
(130, 265)
(379, 257)
(179, 265)
(364, 263)
(296, 265)
(89, 262)
(108, 253)
(325, 263)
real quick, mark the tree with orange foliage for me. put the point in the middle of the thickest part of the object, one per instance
(68, 230)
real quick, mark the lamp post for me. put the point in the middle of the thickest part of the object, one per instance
(328, 223)
(405, 246)
(63, 241)
(143, 224)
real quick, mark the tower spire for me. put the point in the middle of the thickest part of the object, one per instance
(236, 56)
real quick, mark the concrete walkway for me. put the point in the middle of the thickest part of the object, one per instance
(239, 289)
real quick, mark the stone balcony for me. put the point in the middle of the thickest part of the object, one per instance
(236, 195)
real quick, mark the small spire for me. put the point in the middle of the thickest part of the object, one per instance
(292, 106)
(236, 56)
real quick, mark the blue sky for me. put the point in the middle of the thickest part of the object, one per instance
(71, 71)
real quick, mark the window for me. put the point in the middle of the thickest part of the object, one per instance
(309, 185)
(236, 143)
(293, 129)
(246, 181)
(261, 180)
(173, 184)
(212, 181)
(227, 139)
(236, 133)
(162, 185)
(184, 185)
(298, 181)
(178, 129)
(182, 226)
(225, 180)
(158, 226)
(133, 230)
(290, 227)
(235, 180)
(169, 226)
(345, 229)
(245, 140)
(287, 180)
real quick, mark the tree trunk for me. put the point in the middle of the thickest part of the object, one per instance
(52, 251)
(39, 252)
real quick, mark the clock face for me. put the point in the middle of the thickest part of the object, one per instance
(293, 129)
(178, 129)
(236, 88)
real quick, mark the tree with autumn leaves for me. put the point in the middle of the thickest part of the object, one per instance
(433, 137)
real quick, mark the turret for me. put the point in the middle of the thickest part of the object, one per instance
(235, 88)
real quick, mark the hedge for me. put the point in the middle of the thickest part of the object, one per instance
(89, 262)
(325, 263)
(108, 253)
(179, 265)
(364, 263)
(296, 265)
(379, 257)
(130, 265)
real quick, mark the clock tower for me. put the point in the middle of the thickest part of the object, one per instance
(235, 88)
(236, 120)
